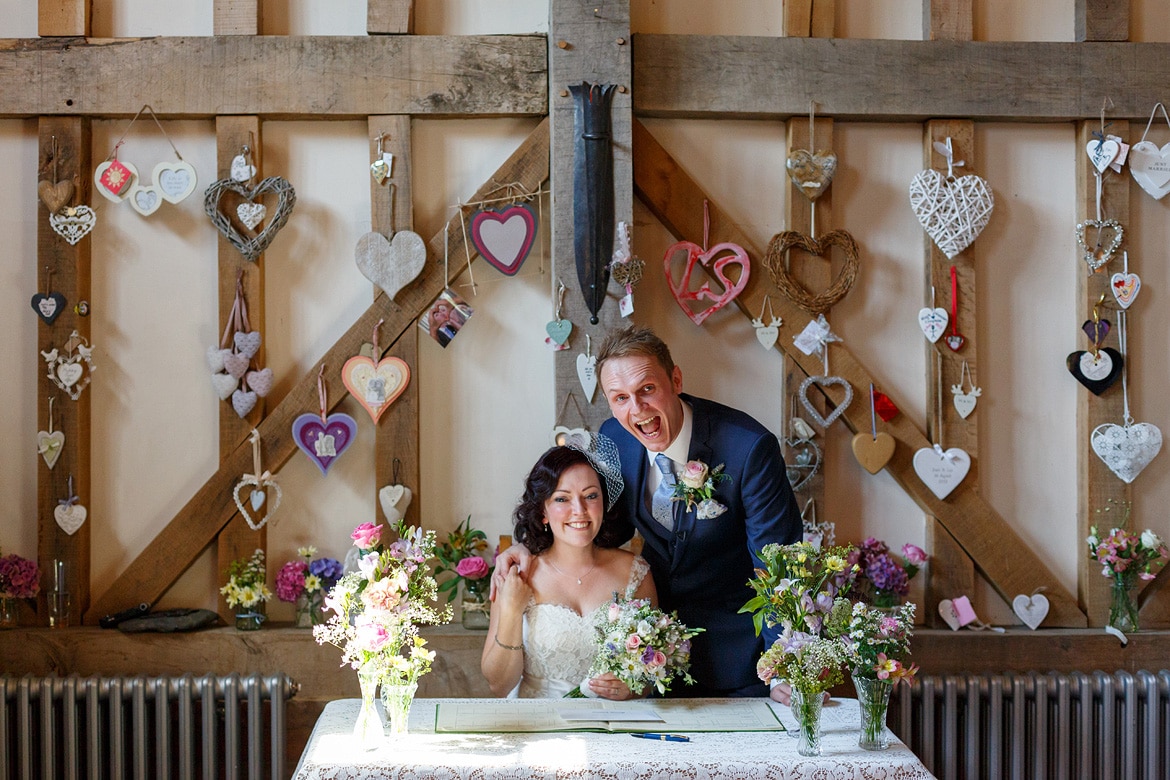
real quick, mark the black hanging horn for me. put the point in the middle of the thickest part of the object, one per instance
(593, 225)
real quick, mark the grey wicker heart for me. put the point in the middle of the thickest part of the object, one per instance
(825, 381)
(953, 211)
(1126, 449)
(391, 264)
(250, 246)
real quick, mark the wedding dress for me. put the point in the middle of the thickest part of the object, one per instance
(559, 644)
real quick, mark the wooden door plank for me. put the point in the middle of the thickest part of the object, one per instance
(237, 17)
(947, 20)
(178, 543)
(677, 200)
(1101, 20)
(64, 155)
(389, 17)
(278, 77)
(61, 18)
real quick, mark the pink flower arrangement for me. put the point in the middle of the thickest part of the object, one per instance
(472, 568)
(460, 555)
(19, 577)
(882, 580)
(290, 580)
(1123, 554)
(366, 536)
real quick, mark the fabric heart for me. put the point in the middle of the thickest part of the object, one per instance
(393, 264)
(946, 610)
(55, 196)
(235, 364)
(73, 223)
(559, 330)
(48, 307)
(215, 357)
(1101, 249)
(1031, 610)
(1096, 372)
(224, 385)
(394, 500)
(175, 180)
(247, 344)
(1126, 449)
(776, 261)
(504, 237)
(823, 382)
(1125, 287)
(884, 407)
(811, 173)
(243, 401)
(70, 517)
(965, 404)
(873, 452)
(941, 471)
(955, 342)
(145, 199)
(50, 445)
(805, 462)
(933, 322)
(952, 211)
(257, 498)
(251, 214)
(375, 386)
(250, 247)
(718, 262)
(1102, 153)
(578, 438)
(260, 381)
(113, 179)
(1150, 168)
(766, 334)
(1096, 331)
(324, 442)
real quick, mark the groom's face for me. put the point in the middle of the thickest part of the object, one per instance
(643, 397)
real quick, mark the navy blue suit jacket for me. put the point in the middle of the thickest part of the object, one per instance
(701, 568)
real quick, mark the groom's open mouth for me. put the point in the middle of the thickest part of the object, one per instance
(650, 428)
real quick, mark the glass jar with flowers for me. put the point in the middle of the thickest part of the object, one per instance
(883, 580)
(377, 611)
(19, 579)
(1125, 558)
(879, 641)
(246, 591)
(461, 556)
(304, 582)
(800, 590)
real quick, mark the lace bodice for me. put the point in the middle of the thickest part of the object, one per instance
(559, 644)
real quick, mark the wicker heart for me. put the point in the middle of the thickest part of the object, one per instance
(391, 264)
(49, 445)
(1125, 287)
(251, 214)
(247, 344)
(175, 180)
(811, 173)
(394, 500)
(943, 472)
(224, 385)
(55, 196)
(252, 246)
(145, 199)
(1097, 371)
(1126, 449)
(775, 262)
(696, 254)
(873, 452)
(324, 442)
(505, 237)
(243, 401)
(257, 498)
(823, 382)
(627, 273)
(73, 223)
(375, 386)
(1150, 168)
(113, 179)
(1101, 252)
(48, 307)
(235, 364)
(1031, 610)
(70, 517)
(260, 382)
(952, 211)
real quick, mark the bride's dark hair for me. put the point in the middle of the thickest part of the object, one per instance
(539, 486)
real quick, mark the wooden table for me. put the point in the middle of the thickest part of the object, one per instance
(332, 752)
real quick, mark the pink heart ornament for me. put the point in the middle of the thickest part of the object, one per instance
(236, 364)
(1125, 287)
(224, 385)
(260, 381)
(247, 344)
(718, 262)
(504, 237)
(324, 441)
(243, 401)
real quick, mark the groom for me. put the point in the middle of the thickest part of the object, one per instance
(701, 564)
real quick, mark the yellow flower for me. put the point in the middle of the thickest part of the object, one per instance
(835, 563)
(312, 583)
(307, 552)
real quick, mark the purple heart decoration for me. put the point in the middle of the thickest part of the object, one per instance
(504, 237)
(1096, 331)
(324, 443)
(48, 307)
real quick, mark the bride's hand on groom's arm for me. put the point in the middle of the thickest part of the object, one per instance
(515, 557)
(607, 686)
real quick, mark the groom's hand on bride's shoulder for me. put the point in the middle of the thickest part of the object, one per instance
(515, 557)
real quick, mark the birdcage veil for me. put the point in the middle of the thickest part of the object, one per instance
(602, 453)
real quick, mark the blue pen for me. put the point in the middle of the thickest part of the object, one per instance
(662, 737)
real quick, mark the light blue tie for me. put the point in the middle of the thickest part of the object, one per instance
(661, 505)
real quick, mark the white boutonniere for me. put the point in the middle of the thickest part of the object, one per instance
(696, 486)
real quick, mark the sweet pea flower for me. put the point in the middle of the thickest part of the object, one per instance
(914, 554)
(366, 536)
(367, 564)
(474, 568)
(694, 474)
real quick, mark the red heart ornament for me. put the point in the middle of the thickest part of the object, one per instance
(695, 254)
(504, 238)
(884, 407)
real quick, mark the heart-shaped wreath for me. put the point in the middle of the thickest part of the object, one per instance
(250, 244)
(785, 240)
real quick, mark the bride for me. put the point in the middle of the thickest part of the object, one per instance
(541, 635)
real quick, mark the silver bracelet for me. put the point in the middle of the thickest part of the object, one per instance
(507, 647)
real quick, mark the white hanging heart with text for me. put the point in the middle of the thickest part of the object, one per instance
(587, 375)
(1031, 609)
(941, 471)
(933, 322)
(1150, 168)
(1102, 153)
(70, 517)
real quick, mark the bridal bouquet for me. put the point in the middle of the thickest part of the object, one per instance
(642, 646)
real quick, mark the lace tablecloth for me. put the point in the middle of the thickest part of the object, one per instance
(333, 754)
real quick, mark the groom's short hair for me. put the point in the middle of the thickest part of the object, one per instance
(634, 340)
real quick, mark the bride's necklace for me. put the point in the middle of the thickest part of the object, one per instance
(570, 576)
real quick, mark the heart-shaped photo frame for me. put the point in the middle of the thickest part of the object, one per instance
(145, 198)
(1031, 610)
(505, 236)
(259, 486)
(811, 173)
(375, 385)
(324, 442)
(175, 181)
(717, 258)
(113, 179)
(775, 260)
(825, 382)
(225, 194)
(1101, 251)
(391, 264)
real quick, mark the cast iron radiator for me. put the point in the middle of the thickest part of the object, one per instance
(143, 727)
(1036, 725)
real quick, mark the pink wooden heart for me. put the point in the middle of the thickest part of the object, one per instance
(324, 442)
(375, 386)
(695, 254)
(505, 237)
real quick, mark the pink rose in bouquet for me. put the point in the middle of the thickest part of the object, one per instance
(366, 536)
(694, 474)
(475, 568)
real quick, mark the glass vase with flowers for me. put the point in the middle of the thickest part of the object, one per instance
(246, 591)
(304, 582)
(878, 642)
(461, 556)
(883, 580)
(20, 579)
(1126, 558)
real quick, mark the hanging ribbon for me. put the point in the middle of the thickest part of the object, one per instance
(322, 395)
(945, 454)
(73, 497)
(257, 474)
(238, 318)
(955, 304)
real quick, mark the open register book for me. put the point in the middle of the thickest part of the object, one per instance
(541, 715)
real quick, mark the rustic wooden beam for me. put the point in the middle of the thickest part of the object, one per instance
(1011, 568)
(720, 77)
(587, 43)
(389, 17)
(64, 156)
(809, 18)
(237, 539)
(308, 77)
(205, 514)
(61, 18)
(946, 20)
(1102, 20)
(237, 17)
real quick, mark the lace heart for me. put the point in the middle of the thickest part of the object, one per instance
(1126, 449)
(73, 223)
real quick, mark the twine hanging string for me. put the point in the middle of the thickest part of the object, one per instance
(145, 107)
(1153, 112)
(322, 394)
(258, 472)
(374, 340)
(558, 299)
(466, 252)
(872, 413)
(395, 468)
(565, 407)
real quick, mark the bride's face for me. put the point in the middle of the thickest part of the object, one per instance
(575, 509)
